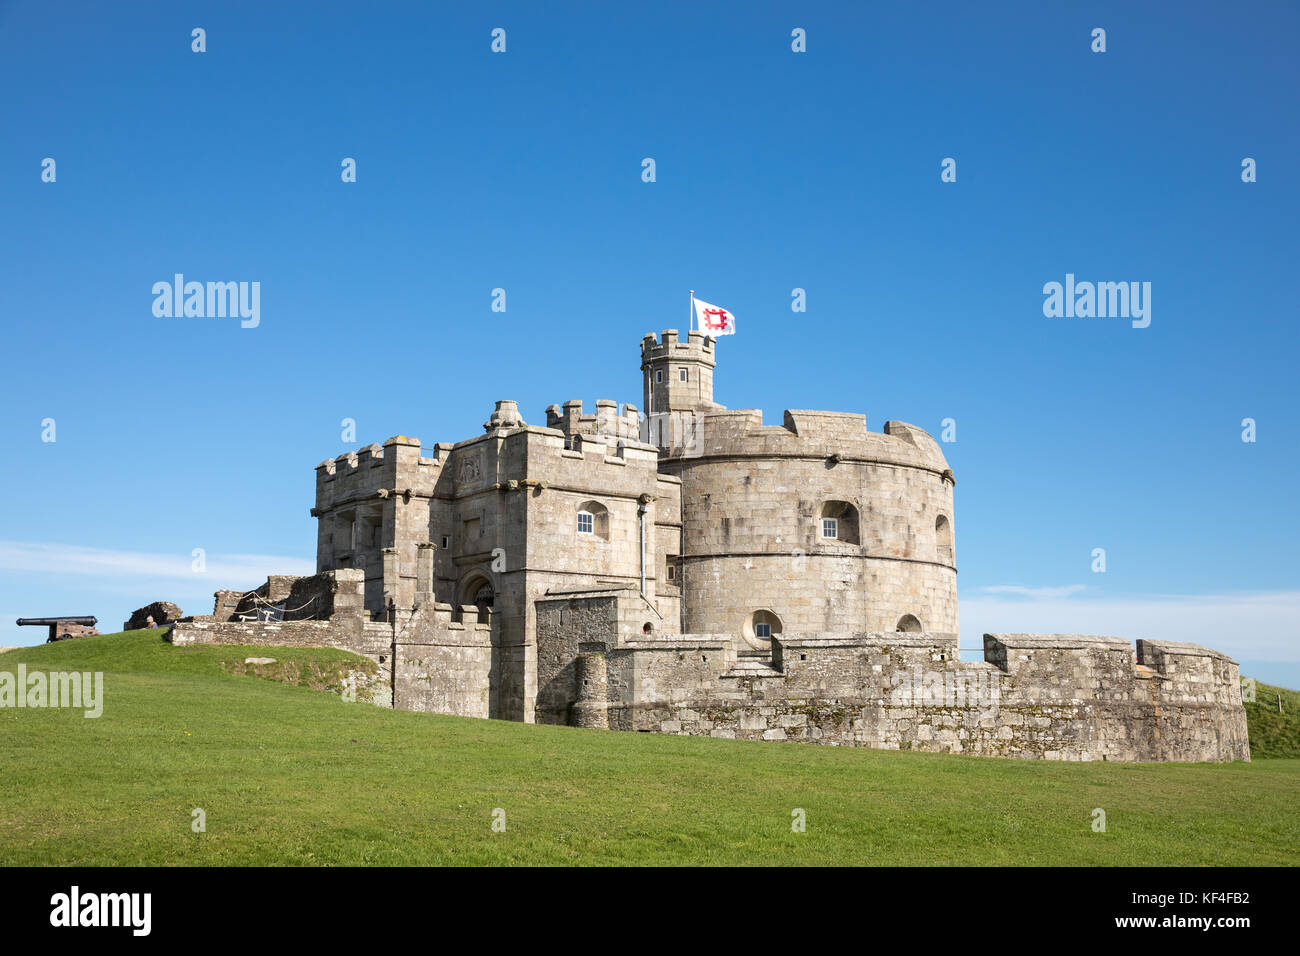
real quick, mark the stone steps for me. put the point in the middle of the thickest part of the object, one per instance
(753, 667)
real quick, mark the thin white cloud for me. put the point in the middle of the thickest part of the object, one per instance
(1035, 593)
(76, 561)
(1257, 625)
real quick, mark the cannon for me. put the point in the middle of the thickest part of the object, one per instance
(62, 628)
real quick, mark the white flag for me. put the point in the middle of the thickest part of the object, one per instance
(714, 320)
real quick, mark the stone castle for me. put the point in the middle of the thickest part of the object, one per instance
(694, 571)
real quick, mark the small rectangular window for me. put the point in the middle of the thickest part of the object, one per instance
(762, 630)
(672, 567)
(830, 528)
(446, 542)
(659, 375)
(585, 522)
(683, 375)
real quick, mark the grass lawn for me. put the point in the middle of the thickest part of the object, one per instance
(1274, 733)
(291, 775)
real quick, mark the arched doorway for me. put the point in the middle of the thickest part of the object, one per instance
(505, 680)
(477, 590)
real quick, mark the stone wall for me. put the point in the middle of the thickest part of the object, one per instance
(327, 595)
(1065, 697)
(432, 658)
(1053, 696)
(571, 622)
(445, 666)
(337, 600)
(1195, 701)
(224, 604)
(369, 640)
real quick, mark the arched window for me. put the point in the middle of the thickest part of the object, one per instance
(593, 520)
(909, 623)
(760, 628)
(943, 538)
(838, 521)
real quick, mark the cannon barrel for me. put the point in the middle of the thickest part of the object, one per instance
(87, 620)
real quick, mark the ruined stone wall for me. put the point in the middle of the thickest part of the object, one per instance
(291, 598)
(224, 604)
(162, 612)
(325, 596)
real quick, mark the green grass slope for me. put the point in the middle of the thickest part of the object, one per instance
(291, 775)
(1274, 734)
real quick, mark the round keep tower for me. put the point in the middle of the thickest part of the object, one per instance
(815, 525)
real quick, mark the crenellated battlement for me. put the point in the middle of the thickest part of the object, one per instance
(670, 345)
(607, 421)
(397, 448)
(376, 471)
(835, 436)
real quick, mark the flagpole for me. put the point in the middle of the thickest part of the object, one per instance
(692, 310)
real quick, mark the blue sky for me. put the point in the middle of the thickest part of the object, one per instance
(774, 170)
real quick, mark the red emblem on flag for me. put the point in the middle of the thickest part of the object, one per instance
(715, 320)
